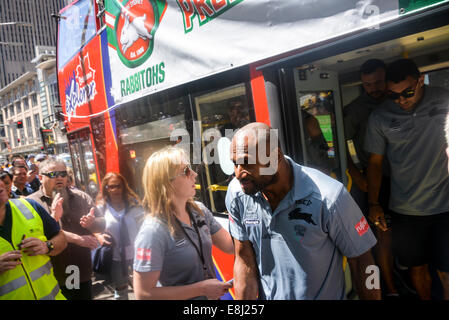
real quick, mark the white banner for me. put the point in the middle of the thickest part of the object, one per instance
(154, 45)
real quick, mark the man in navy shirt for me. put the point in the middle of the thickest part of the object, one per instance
(19, 180)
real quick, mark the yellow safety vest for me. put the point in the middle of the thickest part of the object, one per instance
(33, 279)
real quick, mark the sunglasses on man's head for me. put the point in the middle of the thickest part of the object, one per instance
(407, 93)
(186, 172)
(55, 174)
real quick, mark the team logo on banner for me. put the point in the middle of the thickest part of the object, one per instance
(133, 25)
(81, 87)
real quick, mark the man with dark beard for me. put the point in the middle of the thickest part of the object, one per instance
(292, 225)
(74, 210)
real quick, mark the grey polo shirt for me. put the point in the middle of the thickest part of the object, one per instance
(414, 143)
(299, 247)
(175, 256)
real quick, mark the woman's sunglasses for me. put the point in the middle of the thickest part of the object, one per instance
(55, 174)
(186, 172)
(111, 187)
(407, 93)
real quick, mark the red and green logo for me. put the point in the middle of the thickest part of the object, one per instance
(132, 26)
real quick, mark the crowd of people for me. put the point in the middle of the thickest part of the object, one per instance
(290, 230)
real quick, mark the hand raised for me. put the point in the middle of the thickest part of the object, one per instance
(56, 207)
(87, 220)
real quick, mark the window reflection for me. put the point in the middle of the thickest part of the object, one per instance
(318, 123)
(145, 126)
(221, 112)
(83, 162)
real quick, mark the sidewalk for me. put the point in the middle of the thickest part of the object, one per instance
(101, 290)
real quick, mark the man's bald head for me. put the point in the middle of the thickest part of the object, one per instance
(256, 137)
(255, 153)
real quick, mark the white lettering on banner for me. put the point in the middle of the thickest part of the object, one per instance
(82, 87)
(78, 96)
(373, 280)
(132, 3)
(73, 280)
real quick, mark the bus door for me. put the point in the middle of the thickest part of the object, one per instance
(221, 113)
(320, 120)
(83, 161)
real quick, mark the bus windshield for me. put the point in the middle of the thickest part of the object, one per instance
(76, 28)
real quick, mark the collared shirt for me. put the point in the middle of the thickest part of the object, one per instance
(77, 205)
(27, 190)
(414, 143)
(299, 246)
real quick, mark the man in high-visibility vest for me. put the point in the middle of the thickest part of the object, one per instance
(28, 236)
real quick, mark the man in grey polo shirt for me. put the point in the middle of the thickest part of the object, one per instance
(292, 225)
(409, 131)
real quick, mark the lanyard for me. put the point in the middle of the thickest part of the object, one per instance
(198, 250)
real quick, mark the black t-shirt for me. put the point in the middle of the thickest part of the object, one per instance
(51, 227)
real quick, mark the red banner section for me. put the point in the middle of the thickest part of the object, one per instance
(81, 84)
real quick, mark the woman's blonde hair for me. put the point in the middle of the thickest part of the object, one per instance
(159, 170)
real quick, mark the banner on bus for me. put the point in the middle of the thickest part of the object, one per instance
(81, 82)
(158, 44)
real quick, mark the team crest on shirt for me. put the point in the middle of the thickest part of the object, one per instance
(362, 227)
(297, 214)
(143, 254)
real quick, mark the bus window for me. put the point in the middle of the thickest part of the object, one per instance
(145, 126)
(98, 131)
(78, 21)
(318, 101)
(318, 122)
(221, 113)
(83, 162)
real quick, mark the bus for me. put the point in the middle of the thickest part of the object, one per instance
(137, 75)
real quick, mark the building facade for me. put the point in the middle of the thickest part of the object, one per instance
(25, 24)
(27, 107)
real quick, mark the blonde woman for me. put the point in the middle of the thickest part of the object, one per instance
(174, 245)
